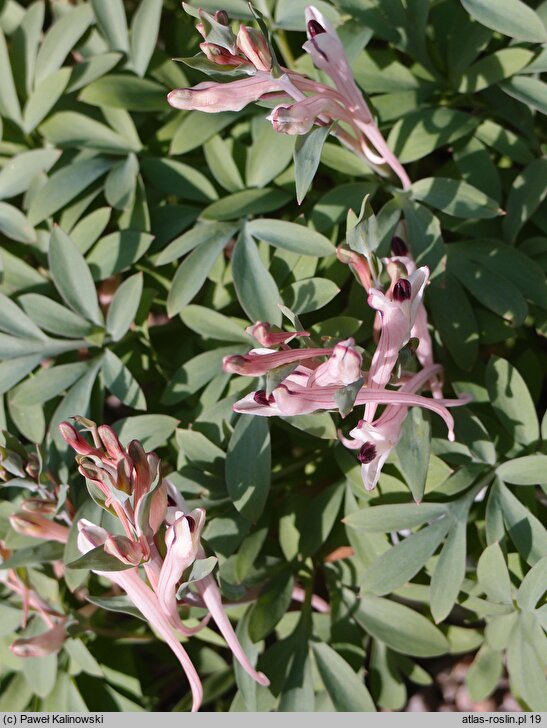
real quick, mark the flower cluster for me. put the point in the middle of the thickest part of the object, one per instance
(311, 379)
(304, 102)
(161, 537)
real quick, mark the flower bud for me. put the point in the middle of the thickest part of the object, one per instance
(254, 46)
(73, 438)
(127, 551)
(44, 644)
(35, 525)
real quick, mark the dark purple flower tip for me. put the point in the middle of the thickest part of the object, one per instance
(222, 17)
(315, 28)
(367, 453)
(191, 524)
(398, 246)
(261, 398)
(402, 290)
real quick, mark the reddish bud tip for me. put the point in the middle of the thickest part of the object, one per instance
(402, 290)
(315, 28)
(367, 453)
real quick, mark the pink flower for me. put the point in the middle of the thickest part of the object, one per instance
(260, 361)
(233, 96)
(43, 644)
(342, 367)
(267, 337)
(255, 48)
(37, 526)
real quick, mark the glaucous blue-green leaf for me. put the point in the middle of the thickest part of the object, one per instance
(270, 606)
(64, 185)
(412, 450)
(13, 371)
(530, 91)
(494, 68)
(90, 70)
(307, 155)
(53, 317)
(202, 233)
(72, 276)
(24, 46)
(197, 127)
(76, 401)
(110, 15)
(9, 102)
(119, 380)
(524, 529)
(200, 450)
(484, 674)
(246, 202)
(346, 689)
(33, 555)
(510, 17)
(309, 294)
(454, 197)
(125, 92)
(526, 663)
(44, 97)
(269, 154)
(401, 562)
(60, 39)
(152, 430)
(121, 183)
(532, 586)
(455, 320)
(322, 511)
(511, 401)
(290, 236)
(527, 470)
(117, 252)
(15, 225)
(17, 174)
(195, 373)
(420, 133)
(90, 228)
(182, 180)
(218, 155)
(15, 321)
(255, 287)
(99, 560)
(71, 129)
(449, 572)
(477, 167)
(248, 466)
(192, 273)
(48, 383)
(526, 194)
(124, 305)
(400, 627)
(396, 517)
(214, 325)
(144, 33)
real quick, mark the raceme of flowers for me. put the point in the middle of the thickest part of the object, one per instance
(304, 102)
(158, 533)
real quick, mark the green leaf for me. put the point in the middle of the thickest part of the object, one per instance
(53, 317)
(424, 235)
(510, 17)
(18, 173)
(449, 572)
(98, 560)
(111, 20)
(14, 370)
(218, 155)
(256, 289)
(526, 663)
(182, 180)
(15, 321)
(124, 306)
(244, 203)
(309, 294)
(64, 185)
(193, 272)
(70, 129)
(347, 691)
(527, 470)
(270, 606)
(200, 569)
(307, 155)
(494, 68)
(197, 127)
(125, 92)
(121, 605)
(401, 562)
(290, 236)
(421, 132)
(530, 91)
(60, 39)
(75, 402)
(9, 103)
(117, 252)
(401, 628)
(48, 383)
(454, 197)
(14, 225)
(72, 276)
(85, 72)
(511, 401)
(89, 228)
(412, 450)
(269, 153)
(201, 451)
(198, 235)
(44, 97)
(121, 183)
(322, 513)
(144, 33)
(213, 325)
(152, 430)
(484, 674)
(121, 382)
(248, 466)
(34, 555)
(526, 194)
(385, 518)
(455, 320)
(532, 586)
(525, 530)
(195, 374)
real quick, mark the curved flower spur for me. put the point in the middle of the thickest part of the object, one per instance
(303, 101)
(161, 535)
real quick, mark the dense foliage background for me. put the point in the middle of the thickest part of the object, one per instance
(116, 305)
